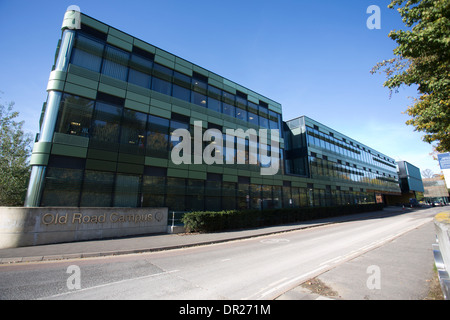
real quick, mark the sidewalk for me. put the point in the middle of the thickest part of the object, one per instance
(405, 272)
(141, 244)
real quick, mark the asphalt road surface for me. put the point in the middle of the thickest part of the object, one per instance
(259, 268)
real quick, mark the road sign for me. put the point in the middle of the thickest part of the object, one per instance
(444, 160)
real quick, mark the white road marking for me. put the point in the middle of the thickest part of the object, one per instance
(109, 284)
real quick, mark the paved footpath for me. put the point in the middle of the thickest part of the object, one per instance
(397, 270)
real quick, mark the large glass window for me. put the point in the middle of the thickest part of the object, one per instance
(175, 197)
(264, 122)
(274, 120)
(87, 53)
(162, 79)
(63, 182)
(228, 109)
(181, 93)
(74, 116)
(161, 86)
(175, 124)
(115, 63)
(140, 71)
(267, 197)
(98, 189)
(229, 196)
(157, 137)
(253, 118)
(154, 187)
(228, 103)
(106, 122)
(243, 193)
(199, 99)
(213, 188)
(127, 191)
(195, 195)
(255, 196)
(181, 86)
(277, 196)
(214, 97)
(241, 114)
(133, 132)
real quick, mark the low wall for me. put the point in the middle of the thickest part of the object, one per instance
(21, 227)
(442, 256)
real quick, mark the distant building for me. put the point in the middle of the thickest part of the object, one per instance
(410, 183)
(436, 190)
(410, 177)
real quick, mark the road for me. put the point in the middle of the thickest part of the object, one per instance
(260, 268)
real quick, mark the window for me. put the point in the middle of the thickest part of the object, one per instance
(181, 86)
(161, 86)
(181, 93)
(214, 99)
(255, 196)
(106, 122)
(115, 64)
(157, 137)
(264, 122)
(253, 118)
(74, 116)
(213, 188)
(241, 100)
(140, 71)
(199, 99)
(87, 53)
(199, 87)
(228, 103)
(243, 193)
(175, 197)
(127, 191)
(178, 122)
(241, 114)
(133, 130)
(195, 195)
(153, 187)
(229, 196)
(228, 109)
(98, 188)
(162, 79)
(273, 120)
(63, 182)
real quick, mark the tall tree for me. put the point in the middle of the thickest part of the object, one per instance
(15, 149)
(422, 58)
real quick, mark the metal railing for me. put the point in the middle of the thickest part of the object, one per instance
(174, 221)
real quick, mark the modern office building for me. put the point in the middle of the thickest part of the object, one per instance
(106, 136)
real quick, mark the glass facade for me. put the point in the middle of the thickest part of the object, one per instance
(112, 139)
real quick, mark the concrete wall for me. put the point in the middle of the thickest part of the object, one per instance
(442, 257)
(21, 227)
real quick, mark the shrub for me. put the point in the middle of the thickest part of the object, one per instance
(210, 221)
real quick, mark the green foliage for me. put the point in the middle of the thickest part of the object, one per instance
(210, 221)
(423, 59)
(15, 148)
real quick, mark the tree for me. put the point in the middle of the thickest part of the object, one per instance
(427, 173)
(15, 149)
(423, 59)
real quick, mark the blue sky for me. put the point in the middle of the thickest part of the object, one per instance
(313, 57)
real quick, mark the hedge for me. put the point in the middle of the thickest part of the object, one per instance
(211, 221)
